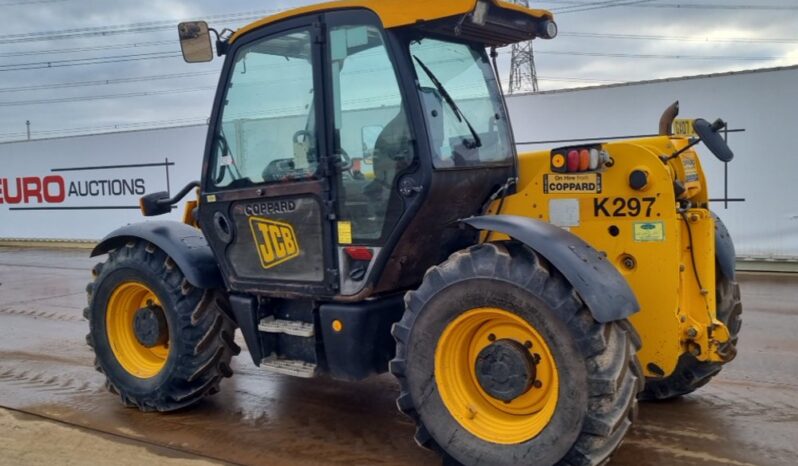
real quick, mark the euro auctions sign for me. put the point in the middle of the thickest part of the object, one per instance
(53, 191)
(85, 187)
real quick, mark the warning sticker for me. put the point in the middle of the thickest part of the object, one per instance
(585, 183)
(690, 170)
(344, 232)
(649, 231)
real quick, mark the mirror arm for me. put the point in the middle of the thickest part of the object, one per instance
(221, 41)
(692, 144)
(180, 195)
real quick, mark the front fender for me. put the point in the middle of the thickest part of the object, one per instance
(605, 292)
(184, 244)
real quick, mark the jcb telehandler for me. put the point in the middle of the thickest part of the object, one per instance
(363, 209)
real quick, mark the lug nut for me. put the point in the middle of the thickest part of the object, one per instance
(491, 337)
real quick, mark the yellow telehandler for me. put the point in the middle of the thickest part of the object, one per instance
(362, 209)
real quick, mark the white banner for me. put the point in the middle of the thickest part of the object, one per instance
(84, 187)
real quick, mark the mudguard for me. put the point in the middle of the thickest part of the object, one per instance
(724, 249)
(605, 292)
(184, 244)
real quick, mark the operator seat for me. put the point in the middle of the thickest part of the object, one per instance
(393, 153)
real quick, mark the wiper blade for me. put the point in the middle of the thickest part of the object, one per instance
(227, 153)
(450, 101)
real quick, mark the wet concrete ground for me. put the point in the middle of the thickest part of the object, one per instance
(747, 416)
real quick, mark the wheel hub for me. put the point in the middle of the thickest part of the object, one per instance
(149, 326)
(505, 370)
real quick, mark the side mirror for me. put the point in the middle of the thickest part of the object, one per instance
(711, 137)
(195, 41)
(155, 204)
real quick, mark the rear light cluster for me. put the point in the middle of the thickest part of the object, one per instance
(578, 159)
(359, 253)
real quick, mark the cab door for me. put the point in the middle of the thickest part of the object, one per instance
(266, 206)
(378, 180)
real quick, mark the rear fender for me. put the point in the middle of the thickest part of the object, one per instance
(605, 292)
(184, 244)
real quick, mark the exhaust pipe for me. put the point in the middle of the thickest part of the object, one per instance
(666, 121)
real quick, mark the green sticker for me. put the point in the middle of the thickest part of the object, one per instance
(649, 231)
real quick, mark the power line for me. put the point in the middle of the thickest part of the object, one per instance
(659, 56)
(150, 26)
(104, 82)
(30, 2)
(27, 53)
(590, 6)
(678, 5)
(16, 103)
(88, 61)
(732, 40)
(88, 130)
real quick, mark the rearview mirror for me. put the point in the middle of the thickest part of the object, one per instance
(711, 137)
(195, 41)
(155, 204)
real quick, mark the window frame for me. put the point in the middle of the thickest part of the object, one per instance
(311, 24)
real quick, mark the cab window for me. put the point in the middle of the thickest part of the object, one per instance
(463, 107)
(373, 137)
(267, 132)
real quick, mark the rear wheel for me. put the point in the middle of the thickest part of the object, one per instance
(500, 363)
(690, 373)
(161, 343)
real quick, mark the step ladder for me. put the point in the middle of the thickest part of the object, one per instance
(292, 367)
(289, 327)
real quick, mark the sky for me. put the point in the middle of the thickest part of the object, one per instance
(84, 66)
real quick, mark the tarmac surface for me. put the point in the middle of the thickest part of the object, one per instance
(55, 404)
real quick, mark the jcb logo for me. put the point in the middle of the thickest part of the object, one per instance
(276, 241)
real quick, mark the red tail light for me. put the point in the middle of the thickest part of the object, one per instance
(573, 161)
(359, 253)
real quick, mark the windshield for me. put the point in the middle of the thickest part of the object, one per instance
(464, 111)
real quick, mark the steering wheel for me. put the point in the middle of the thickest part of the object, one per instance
(346, 161)
(304, 135)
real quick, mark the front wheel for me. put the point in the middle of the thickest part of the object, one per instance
(161, 343)
(500, 363)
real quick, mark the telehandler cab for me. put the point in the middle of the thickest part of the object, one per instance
(363, 209)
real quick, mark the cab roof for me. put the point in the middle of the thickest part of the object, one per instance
(398, 13)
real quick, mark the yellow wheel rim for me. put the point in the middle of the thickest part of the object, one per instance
(484, 416)
(135, 358)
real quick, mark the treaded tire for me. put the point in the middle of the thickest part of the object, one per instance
(690, 373)
(600, 376)
(201, 331)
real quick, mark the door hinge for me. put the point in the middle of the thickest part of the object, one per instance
(321, 33)
(329, 210)
(333, 278)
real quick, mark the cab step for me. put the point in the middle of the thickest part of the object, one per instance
(292, 367)
(289, 327)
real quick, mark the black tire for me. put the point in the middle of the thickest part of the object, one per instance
(200, 331)
(690, 373)
(600, 375)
